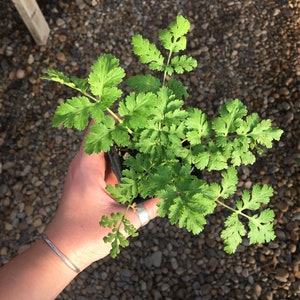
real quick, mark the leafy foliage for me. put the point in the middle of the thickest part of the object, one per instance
(168, 144)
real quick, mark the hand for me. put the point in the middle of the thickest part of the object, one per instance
(75, 229)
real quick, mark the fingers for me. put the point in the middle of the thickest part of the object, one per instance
(151, 206)
(149, 211)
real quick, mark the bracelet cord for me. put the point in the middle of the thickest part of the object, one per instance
(60, 254)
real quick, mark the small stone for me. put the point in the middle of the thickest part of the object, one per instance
(29, 210)
(205, 289)
(283, 206)
(257, 290)
(8, 226)
(80, 4)
(296, 287)
(30, 59)
(284, 91)
(293, 248)
(37, 222)
(61, 56)
(282, 275)
(62, 38)
(60, 22)
(3, 251)
(156, 259)
(174, 263)
(20, 74)
(276, 12)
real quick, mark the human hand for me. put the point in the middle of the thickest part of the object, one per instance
(75, 229)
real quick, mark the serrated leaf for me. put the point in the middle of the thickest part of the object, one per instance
(197, 126)
(173, 38)
(233, 233)
(229, 182)
(264, 133)
(231, 113)
(259, 195)
(116, 238)
(243, 127)
(112, 220)
(144, 83)
(178, 89)
(120, 135)
(80, 83)
(73, 113)
(180, 64)
(106, 74)
(57, 76)
(217, 161)
(136, 109)
(261, 227)
(148, 53)
(201, 160)
(180, 27)
(100, 136)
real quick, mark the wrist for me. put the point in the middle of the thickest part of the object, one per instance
(61, 255)
(71, 244)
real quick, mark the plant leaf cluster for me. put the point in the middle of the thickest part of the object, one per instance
(168, 144)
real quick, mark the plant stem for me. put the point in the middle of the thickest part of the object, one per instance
(165, 71)
(232, 209)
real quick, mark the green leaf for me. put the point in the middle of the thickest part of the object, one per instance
(100, 136)
(120, 135)
(229, 182)
(127, 190)
(137, 108)
(106, 74)
(59, 77)
(261, 227)
(180, 64)
(148, 53)
(230, 115)
(201, 160)
(73, 113)
(197, 126)
(178, 89)
(174, 39)
(259, 195)
(80, 83)
(233, 233)
(240, 152)
(264, 134)
(116, 238)
(144, 83)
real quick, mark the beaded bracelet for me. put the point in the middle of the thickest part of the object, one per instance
(60, 254)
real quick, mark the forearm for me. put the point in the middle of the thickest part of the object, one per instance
(38, 273)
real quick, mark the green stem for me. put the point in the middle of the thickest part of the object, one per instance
(232, 209)
(168, 62)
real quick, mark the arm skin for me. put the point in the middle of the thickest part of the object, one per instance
(38, 273)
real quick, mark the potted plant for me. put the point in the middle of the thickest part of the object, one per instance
(168, 146)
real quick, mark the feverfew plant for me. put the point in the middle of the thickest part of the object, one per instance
(168, 145)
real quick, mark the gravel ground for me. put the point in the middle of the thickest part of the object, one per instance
(246, 49)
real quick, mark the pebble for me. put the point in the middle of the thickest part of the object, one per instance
(61, 56)
(257, 290)
(282, 275)
(20, 74)
(156, 259)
